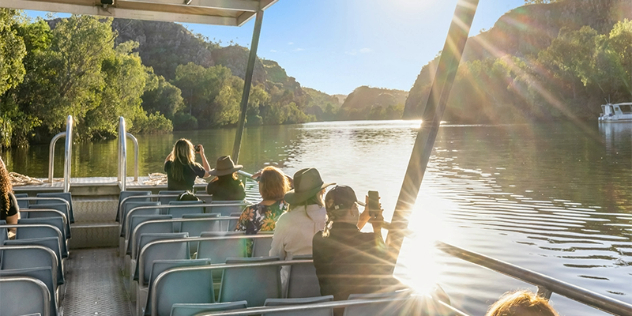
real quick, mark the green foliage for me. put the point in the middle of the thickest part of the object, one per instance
(12, 51)
(161, 96)
(184, 121)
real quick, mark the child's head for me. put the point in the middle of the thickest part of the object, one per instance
(521, 303)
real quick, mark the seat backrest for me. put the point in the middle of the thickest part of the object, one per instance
(226, 210)
(29, 256)
(160, 251)
(124, 195)
(232, 224)
(324, 311)
(44, 231)
(160, 266)
(22, 203)
(136, 220)
(13, 290)
(4, 234)
(43, 274)
(33, 212)
(64, 195)
(402, 307)
(303, 281)
(196, 228)
(48, 242)
(177, 212)
(161, 227)
(261, 246)
(131, 207)
(182, 285)
(146, 238)
(166, 200)
(237, 283)
(182, 309)
(219, 250)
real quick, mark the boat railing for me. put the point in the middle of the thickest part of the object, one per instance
(67, 154)
(123, 135)
(546, 285)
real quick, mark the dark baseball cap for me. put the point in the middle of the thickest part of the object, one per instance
(341, 197)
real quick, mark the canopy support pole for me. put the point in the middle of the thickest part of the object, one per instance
(247, 84)
(435, 106)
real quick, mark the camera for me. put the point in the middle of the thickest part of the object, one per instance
(197, 148)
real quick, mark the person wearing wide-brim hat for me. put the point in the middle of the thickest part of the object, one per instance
(226, 186)
(307, 215)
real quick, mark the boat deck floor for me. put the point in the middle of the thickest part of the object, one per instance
(94, 284)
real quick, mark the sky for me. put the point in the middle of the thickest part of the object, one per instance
(336, 46)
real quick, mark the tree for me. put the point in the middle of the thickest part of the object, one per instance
(12, 51)
(161, 96)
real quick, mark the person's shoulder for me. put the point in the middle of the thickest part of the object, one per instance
(168, 164)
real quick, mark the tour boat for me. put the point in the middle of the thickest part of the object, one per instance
(87, 206)
(618, 112)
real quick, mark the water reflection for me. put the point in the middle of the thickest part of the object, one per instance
(556, 198)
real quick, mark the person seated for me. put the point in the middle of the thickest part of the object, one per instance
(521, 303)
(226, 186)
(348, 261)
(273, 185)
(9, 209)
(306, 216)
(181, 168)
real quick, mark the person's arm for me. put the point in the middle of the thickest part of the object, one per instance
(365, 215)
(205, 164)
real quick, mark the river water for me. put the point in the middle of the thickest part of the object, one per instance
(556, 199)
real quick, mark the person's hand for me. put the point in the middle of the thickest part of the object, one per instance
(257, 175)
(199, 148)
(365, 216)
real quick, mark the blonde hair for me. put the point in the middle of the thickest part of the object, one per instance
(521, 303)
(273, 184)
(182, 156)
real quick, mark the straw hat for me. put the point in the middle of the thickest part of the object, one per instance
(225, 166)
(307, 182)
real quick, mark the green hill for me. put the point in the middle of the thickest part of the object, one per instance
(373, 103)
(528, 65)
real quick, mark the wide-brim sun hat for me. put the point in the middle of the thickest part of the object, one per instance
(225, 166)
(307, 182)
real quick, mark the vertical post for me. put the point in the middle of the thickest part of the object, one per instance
(122, 153)
(247, 83)
(68, 154)
(135, 142)
(51, 156)
(435, 106)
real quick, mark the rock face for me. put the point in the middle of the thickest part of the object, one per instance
(525, 31)
(164, 45)
(365, 97)
(235, 58)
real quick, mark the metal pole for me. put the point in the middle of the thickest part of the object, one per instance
(135, 142)
(123, 153)
(51, 156)
(68, 154)
(435, 106)
(247, 83)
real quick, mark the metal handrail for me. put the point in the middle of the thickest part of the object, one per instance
(45, 293)
(333, 304)
(68, 154)
(149, 207)
(122, 157)
(59, 234)
(50, 252)
(141, 261)
(544, 283)
(135, 142)
(51, 155)
(181, 220)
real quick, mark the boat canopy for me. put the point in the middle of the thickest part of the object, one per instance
(214, 12)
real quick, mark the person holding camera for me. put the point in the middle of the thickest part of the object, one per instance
(181, 168)
(348, 261)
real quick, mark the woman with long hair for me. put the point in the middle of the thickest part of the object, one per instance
(226, 186)
(307, 215)
(273, 184)
(521, 303)
(9, 210)
(181, 168)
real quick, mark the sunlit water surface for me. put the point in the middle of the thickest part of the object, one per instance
(556, 199)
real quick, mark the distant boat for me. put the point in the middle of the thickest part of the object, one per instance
(619, 112)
